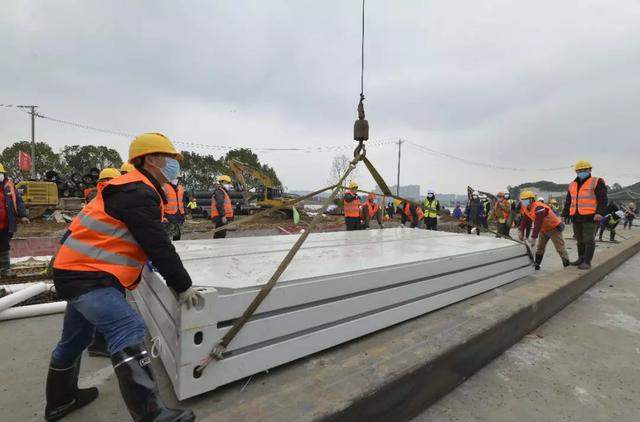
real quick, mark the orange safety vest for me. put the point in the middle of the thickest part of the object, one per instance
(550, 222)
(12, 192)
(407, 212)
(372, 208)
(583, 201)
(175, 199)
(99, 242)
(228, 207)
(351, 209)
(502, 210)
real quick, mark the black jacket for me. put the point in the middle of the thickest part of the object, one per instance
(601, 198)
(138, 207)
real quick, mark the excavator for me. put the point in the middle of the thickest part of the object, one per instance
(267, 194)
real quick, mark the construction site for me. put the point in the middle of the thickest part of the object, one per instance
(255, 241)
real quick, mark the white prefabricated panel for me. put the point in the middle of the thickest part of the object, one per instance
(340, 286)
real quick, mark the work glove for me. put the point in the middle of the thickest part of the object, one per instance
(597, 218)
(223, 220)
(189, 297)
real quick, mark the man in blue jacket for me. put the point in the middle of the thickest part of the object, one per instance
(12, 209)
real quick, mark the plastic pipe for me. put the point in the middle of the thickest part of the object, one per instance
(12, 288)
(33, 310)
(22, 295)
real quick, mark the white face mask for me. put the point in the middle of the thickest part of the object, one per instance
(1, 177)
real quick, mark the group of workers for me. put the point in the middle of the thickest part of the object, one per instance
(123, 227)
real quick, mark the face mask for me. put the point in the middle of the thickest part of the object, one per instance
(1, 177)
(227, 186)
(174, 182)
(527, 202)
(171, 168)
(583, 174)
(430, 196)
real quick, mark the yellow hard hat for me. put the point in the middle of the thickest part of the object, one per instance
(527, 195)
(2, 169)
(224, 178)
(353, 185)
(397, 201)
(109, 173)
(151, 143)
(126, 168)
(583, 165)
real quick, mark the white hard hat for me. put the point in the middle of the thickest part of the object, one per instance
(540, 199)
(430, 192)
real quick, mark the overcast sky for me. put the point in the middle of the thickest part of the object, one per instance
(518, 84)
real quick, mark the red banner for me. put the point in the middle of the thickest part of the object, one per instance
(24, 161)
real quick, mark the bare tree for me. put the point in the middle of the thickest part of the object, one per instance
(339, 166)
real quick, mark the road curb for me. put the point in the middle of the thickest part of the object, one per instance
(516, 313)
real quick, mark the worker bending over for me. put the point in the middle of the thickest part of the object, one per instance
(174, 210)
(546, 225)
(501, 214)
(586, 203)
(104, 176)
(411, 213)
(103, 253)
(351, 206)
(369, 210)
(474, 213)
(431, 211)
(12, 210)
(221, 207)
(610, 222)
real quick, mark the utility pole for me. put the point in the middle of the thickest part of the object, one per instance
(399, 151)
(33, 138)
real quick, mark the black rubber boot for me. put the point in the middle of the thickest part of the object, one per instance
(565, 262)
(589, 250)
(580, 255)
(5, 265)
(613, 237)
(139, 389)
(63, 394)
(538, 261)
(98, 346)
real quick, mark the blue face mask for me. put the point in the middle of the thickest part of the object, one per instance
(527, 202)
(171, 168)
(583, 175)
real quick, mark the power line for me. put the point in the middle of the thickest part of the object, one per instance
(441, 154)
(200, 145)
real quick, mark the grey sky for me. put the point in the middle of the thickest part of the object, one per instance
(522, 84)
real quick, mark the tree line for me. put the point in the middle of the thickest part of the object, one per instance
(198, 171)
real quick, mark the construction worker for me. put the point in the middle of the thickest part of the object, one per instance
(369, 210)
(501, 214)
(192, 204)
(104, 176)
(126, 168)
(486, 210)
(431, 211)
(221, 207)
(12, 210)
(351, 206)
(629, 215)
(457, 211)
(610, 222)
(412, 213)
(555, 206)
(102, 254)
(474, 213)
(586, 203)
(546, 225)
(174, 210)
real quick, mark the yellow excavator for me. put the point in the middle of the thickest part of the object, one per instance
(267, 193)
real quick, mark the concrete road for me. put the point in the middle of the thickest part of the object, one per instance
(581, 365)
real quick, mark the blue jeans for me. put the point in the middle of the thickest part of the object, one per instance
(104, 309)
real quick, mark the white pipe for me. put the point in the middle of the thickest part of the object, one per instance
(12, 288)
(22, 295)
(33, 310)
